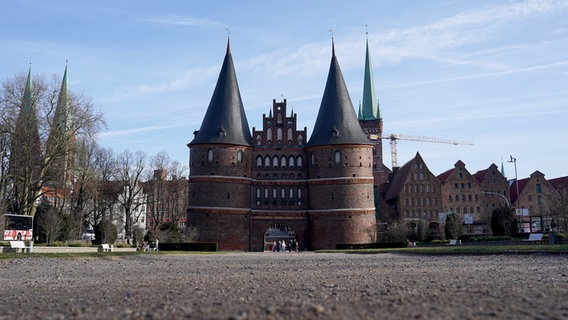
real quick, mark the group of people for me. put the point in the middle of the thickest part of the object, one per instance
(284, 245)
(148, 246)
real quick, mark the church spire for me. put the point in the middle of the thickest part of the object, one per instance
(225, 120)
(28, 93)
(370, 107)
(63, 109)
(336, 122)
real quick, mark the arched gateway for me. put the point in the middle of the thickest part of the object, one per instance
(278, 233)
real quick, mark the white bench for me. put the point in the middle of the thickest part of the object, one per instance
(455, 242)
(105, 248)
(534, 237)
(17, 245)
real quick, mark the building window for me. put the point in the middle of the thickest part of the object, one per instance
(290, 135)
(279, 118)
(291, 161)
(283, 193)
(274, 193)
(337, 156)
(267, 162)
(240, 156)
(210, 155)
(538, 188)
(258, 193)
(275, 161)
(283, 162)
(265, 192)
(299, 193)
(269, 135)
(299, 161)
(259, 161)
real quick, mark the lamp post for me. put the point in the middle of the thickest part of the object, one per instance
(514, 161)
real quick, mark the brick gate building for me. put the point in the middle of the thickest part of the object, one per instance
(242, 184)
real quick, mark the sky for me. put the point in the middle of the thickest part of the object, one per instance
(494, 73)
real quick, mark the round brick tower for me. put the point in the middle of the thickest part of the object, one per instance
(220, 167)
(340, 172)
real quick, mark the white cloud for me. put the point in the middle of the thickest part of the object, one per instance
(184, 21)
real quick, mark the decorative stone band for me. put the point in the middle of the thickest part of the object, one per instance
(347, 180)
(213, 178)
(219, 210)
(342, 212)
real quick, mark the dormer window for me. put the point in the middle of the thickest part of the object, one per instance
(335, 132)
(222, 132)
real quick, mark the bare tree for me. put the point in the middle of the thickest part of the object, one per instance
(166, 190)
(131, 168)
(49, 222)
(44, 99)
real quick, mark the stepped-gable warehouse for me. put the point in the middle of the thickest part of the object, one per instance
(317, 190)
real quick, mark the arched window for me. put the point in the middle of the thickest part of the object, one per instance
(279, 134)
(279, 118)
(210, 155)
(274, 193)
(299, 161)
(269, 135)
(291, 193)
(290, 137)
(283, 162)
(291, 161)
(299, 193)
(337, 156)
(258, 193)
(300, 139)
(259, 161)
(240, 156)
(258, 140)
(267, 161)
(283, 193)
(265, 192)
(275, 162)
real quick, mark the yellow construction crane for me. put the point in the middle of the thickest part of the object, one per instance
(394, 137)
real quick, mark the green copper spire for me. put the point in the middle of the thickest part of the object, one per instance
(503, 169)
(62, 112)
(28, 102)
(370, 108)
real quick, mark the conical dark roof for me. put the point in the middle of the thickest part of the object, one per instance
(225, 121)
(336, 122)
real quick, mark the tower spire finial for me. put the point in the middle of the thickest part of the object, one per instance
(332, 42)
(228, 40)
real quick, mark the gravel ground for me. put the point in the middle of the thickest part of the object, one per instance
(286, 286)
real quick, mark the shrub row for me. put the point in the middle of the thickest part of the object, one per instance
(188, 246)
(378, 245)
